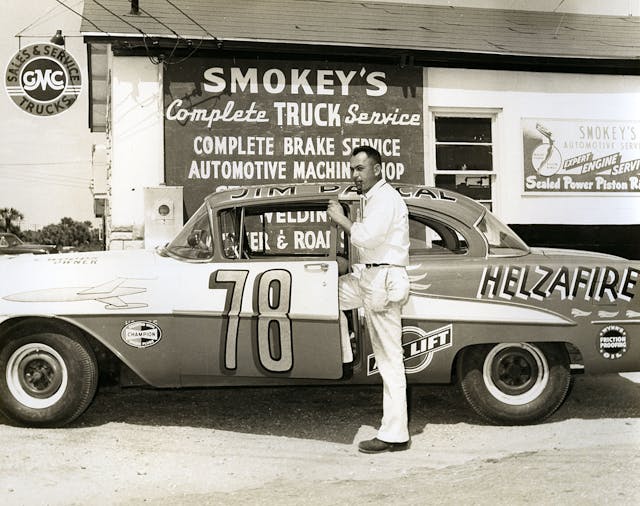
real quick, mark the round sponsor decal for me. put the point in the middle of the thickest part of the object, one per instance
(141, 334)
(418, 347)
(43, 79)
(612, 342)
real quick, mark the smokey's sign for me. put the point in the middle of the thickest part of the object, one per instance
(581, 156)
(239, 122)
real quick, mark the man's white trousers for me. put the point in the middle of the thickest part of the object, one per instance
(361, 289)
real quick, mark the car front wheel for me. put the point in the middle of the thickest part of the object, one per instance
(515, 383)
(46, 380)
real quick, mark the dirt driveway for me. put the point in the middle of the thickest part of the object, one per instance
(292, 446)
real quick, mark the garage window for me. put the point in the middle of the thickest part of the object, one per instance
(464, 155)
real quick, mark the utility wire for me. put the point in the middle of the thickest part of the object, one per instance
(117, 16)
(162, 23)
(46, 176)
(83, 17)
(192, 20)
(37, 20)
(20, 164)
(178, 37)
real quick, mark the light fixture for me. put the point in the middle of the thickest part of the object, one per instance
(58, 38)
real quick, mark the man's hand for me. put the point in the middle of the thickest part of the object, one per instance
(336, 213)
(335, 210)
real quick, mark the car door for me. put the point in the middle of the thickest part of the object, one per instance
(267, 305)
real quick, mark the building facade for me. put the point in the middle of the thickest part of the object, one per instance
(534, 114)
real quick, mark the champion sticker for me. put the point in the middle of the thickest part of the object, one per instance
(141, 334)
(418, 347)
(612, 342)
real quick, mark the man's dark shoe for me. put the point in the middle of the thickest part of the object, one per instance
(376, 445)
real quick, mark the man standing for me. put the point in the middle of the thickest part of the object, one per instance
(380, 284)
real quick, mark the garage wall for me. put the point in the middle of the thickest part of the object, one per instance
(541, 95)
(137, 145)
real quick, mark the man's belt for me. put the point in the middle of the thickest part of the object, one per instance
(368, 266)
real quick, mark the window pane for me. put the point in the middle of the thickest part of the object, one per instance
(476, 187)
(463, 129)
(229, 221)
(463, 157)
(287, 232)
(500, 238)
(429, 237)
(194, 241)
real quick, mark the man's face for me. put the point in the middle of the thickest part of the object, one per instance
(364, 172)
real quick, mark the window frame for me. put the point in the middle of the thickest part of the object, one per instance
(273, 207)
(469, 234)
(488, 113)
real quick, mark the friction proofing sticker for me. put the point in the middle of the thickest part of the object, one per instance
(612, 342)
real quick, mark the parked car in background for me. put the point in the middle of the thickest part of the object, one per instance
(247, 294)
(10, 244)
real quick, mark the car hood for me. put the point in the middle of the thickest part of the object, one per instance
(25, 248)
(30, 245)
(50, 282)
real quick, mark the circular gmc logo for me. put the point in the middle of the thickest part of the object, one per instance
(43, 79)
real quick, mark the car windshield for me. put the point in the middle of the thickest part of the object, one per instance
(9, 240)
(501, 240)
(194, 240)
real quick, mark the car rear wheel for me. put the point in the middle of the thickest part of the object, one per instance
(515, 383)
(46, 380)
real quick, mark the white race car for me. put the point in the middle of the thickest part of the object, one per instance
(246, 294)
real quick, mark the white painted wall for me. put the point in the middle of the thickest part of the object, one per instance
(137, 138)
(540, 95)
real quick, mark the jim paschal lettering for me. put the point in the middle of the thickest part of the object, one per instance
(43, 79)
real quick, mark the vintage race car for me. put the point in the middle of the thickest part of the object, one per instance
(10, 244)
(247, 294)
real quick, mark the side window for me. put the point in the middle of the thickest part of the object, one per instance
(431, 237)
(194, 242)
(464, 149)
(230, 222)
(284, 231)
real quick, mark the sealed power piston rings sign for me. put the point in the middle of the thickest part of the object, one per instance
(237, 122)
(581, 156)
(43, 79)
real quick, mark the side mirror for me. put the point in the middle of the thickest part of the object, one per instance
(194, 238)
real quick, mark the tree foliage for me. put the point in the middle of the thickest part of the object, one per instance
(10, 220)
(79, 234)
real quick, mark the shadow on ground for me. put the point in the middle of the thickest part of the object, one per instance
(331, 413)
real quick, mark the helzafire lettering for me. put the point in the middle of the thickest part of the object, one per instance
(541, 282)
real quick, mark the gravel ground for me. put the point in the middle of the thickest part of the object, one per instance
(298, 445)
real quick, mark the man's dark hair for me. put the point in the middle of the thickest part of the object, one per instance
(371, 153)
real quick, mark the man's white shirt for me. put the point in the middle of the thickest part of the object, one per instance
(382, 237)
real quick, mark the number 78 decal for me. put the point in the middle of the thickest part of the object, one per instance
(271, 302)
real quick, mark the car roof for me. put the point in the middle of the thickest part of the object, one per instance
(441, 200)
